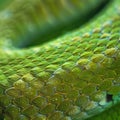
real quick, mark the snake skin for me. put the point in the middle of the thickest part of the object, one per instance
(73, 77)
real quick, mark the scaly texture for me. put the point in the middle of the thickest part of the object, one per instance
(71, 78)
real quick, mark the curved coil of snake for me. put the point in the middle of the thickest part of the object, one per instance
(75, 75)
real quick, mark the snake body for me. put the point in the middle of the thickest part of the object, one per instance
(74, 77)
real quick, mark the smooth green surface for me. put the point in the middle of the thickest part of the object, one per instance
(73, 77)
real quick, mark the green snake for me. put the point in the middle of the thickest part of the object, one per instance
(74, 76)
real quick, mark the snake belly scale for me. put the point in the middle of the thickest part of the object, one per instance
(74, 77)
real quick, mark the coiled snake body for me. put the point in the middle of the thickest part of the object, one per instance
(73, 77)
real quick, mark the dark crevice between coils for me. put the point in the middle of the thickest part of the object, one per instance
(41, 38)
(2, 115)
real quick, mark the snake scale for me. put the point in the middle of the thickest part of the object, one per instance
(76, 76)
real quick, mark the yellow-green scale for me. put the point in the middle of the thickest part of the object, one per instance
(74, 77)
